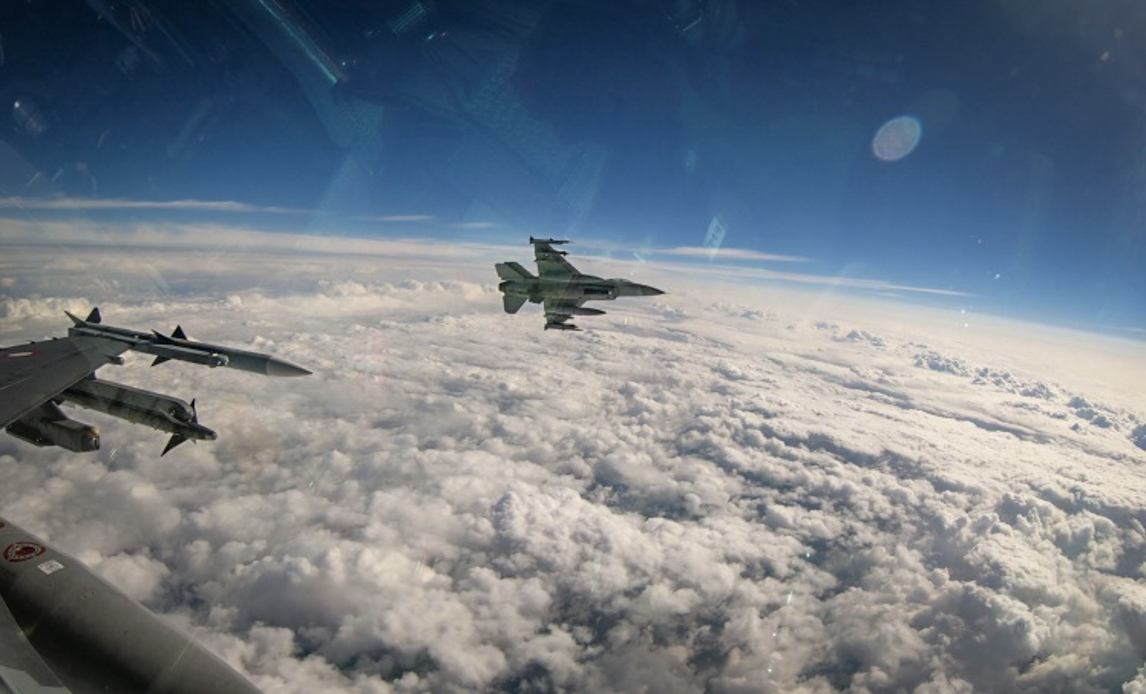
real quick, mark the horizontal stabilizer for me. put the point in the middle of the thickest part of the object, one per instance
(513, 271)
(513, 302)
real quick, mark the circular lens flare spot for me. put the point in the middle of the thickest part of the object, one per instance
(896, 138)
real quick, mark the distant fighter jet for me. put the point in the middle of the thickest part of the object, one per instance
(36, 378)
(560, 286)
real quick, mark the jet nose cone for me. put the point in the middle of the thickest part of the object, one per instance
(278, 367)
(644, 290)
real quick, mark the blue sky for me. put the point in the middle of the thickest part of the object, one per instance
(1024, 187)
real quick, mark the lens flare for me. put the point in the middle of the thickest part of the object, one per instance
(897, 138)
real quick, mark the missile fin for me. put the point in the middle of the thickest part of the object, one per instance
(94, 316)
(161, 338)
(172, 442)
(160, 360)
(178, 333)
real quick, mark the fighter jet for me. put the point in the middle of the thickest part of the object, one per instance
(36, 378)
(63, 629)
(563, 289)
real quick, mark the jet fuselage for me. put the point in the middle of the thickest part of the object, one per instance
(582, 288)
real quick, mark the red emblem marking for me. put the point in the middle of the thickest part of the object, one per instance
(23, 551)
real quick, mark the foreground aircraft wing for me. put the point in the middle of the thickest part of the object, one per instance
(22, 670)
(551, 263)
(36, 372)
(37, 377)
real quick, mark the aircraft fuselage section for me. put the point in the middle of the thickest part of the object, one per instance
(93, 637)
(585, 288)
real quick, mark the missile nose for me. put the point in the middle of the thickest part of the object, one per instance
(278, 367)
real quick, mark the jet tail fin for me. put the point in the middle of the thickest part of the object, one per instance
(513, 271)
(513, 302)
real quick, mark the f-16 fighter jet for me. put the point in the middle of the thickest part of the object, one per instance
(563, 289)
(36, 378)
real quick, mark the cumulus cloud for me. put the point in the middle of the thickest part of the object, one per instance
(789, 494)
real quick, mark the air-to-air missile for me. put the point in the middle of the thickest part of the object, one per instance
(36, 378)
(158, 411)
(178, 347)
(61, 626)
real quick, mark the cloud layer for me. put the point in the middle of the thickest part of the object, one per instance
(775, 493)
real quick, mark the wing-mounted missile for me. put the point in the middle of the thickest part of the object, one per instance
(47, 425)
(155, 410)
(583, 311)
(551, 242)
(562, 326)
(178, 347)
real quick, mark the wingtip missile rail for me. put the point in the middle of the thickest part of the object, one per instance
(178, 347)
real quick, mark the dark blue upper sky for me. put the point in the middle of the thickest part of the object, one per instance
(633, 121)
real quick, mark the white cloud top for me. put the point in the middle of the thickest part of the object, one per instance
(727, 489)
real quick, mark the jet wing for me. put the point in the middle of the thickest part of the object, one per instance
(33, 373)
(22, 670)
(551, 263)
